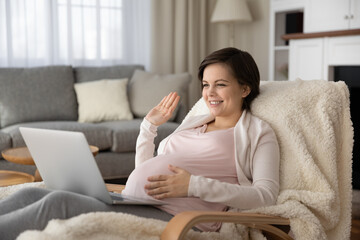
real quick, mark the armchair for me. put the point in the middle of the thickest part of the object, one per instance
(312, 122)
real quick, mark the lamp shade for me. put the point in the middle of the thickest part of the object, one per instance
(231, 11)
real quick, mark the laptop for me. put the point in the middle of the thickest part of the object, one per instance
(65, 162)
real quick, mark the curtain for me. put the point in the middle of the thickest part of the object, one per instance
(178, 39)
(74, 32)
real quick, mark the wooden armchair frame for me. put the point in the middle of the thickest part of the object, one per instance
(179, 225)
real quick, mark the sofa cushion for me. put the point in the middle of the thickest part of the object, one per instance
(37, 94)
(85, 74)
(125, 133)
(96, 135)
(153, 87)
(103, 100)
(6, 165)
(5, 141)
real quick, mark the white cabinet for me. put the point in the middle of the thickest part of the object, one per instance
(354, 14)
(331, 15)
(315, 58)
(343, 51)
(306, 59)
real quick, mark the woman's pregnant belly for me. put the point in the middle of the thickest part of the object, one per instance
(159, 166)
(211, 168)
(155, 166)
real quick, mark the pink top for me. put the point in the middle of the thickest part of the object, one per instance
(210, 154)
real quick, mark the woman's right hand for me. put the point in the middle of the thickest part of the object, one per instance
(164, 110)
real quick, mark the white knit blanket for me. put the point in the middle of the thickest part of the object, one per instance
(312, 122)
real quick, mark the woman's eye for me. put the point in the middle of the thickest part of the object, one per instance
(221, 85)
(205, 85)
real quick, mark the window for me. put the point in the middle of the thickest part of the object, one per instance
(73, 32)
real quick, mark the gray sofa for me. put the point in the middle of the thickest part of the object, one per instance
(44, 97)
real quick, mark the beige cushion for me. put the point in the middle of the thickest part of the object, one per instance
(103, 100)
(147, 89)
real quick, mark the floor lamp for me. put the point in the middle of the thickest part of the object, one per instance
(231, 11)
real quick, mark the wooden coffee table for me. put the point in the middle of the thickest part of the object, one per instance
(22, 155)
(8, 178)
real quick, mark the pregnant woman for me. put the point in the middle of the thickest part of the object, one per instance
(226, 159)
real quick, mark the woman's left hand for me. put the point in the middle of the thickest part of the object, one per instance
(169, 186)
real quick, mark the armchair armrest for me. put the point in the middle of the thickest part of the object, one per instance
(179, 225)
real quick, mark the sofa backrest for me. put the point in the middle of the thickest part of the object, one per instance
(86, 74)
(47, 93)
(37, 94)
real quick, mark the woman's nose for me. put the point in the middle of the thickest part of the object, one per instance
(211, 91)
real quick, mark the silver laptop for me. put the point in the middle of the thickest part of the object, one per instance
(65, 162)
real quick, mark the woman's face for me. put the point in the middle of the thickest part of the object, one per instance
(222, 92)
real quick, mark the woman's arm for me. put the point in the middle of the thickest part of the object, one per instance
(160, 114)
(263, 191)
(145, 146)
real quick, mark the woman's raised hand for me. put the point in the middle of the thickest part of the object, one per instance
(164, 110)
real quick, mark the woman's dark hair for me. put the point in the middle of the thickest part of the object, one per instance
(242, 67)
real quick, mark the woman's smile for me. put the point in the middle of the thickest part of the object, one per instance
(215, 103)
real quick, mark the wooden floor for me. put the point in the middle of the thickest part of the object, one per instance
(355, 229)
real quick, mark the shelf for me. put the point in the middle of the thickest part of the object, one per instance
(281, 48)
(321, 34)
(284, 20)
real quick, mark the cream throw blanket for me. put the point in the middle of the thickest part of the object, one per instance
(312, 122)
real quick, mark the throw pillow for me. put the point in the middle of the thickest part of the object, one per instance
(103, 100)
(147, 89)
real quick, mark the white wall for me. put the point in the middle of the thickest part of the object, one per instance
(252, 37)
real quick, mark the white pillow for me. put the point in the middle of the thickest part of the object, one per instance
(146, 90)
(103, 100)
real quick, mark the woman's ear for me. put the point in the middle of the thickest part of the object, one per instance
(246, 91)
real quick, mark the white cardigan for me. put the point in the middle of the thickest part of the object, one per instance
(257, 162)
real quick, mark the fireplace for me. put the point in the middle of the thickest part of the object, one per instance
(351, 76)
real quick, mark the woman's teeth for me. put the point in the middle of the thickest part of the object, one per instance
(215, 102)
